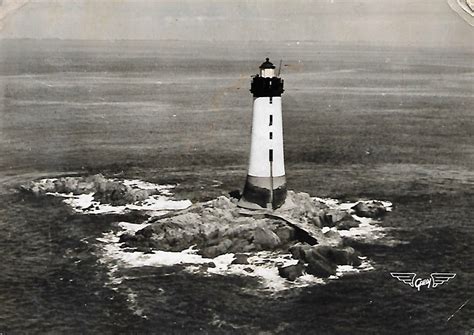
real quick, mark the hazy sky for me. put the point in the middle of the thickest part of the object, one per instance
(395, 22)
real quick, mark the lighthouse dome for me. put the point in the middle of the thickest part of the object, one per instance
(267, 64)
(267, 69)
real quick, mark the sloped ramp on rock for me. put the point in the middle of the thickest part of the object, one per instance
(310, 233)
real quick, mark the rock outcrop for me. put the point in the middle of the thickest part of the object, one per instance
(218, 227)
(291, 272)
(373, 209)
(322, 260)
(304, 226)
(105, 190)
(241, 259)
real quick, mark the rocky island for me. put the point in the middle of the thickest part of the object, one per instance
(308, 230)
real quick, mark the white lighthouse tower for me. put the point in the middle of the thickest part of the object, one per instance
(266, 182)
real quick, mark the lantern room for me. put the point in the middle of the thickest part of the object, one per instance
(267, 84)
(267, 69)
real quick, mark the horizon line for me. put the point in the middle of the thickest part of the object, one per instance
(340, 43)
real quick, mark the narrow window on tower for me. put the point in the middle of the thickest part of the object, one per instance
(270, 155)
(271, 135)
(271, 120)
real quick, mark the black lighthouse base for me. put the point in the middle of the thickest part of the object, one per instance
(263, 192)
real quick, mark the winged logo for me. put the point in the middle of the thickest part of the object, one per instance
(405, 277)
(441, 278)
(436, 279)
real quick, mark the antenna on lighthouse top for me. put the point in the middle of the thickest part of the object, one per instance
(279, 68)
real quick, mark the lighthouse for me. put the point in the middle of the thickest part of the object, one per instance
(266, 183)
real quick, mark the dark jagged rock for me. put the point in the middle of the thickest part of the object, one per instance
(339, 256)
(299, 250)
(125, 237)
(326, 220)
(147, 232)
(334, 238)
(240, 259)
(235, 194)
(374, 209)
(339, 219)
(322, 260)
(332, 216)
(320, 268)
(347, 222)
(284, 232)
(144, 249)
(140, 241)
(317, 263)
(336, 255)
(291, 272)
(216, 250)
(347, 256)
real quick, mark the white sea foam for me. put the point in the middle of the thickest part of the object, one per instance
(264, 266)
(144, 185)
(133, 304)
(347, 206)
(343, 270)
(327, 201)
(362, 220)
(365, 231)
